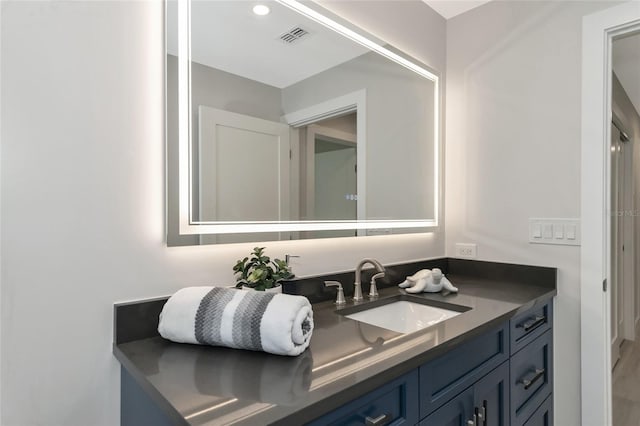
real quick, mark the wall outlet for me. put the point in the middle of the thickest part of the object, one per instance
(466, 251)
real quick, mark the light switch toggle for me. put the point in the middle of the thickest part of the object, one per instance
(536, 232)
(558, 231)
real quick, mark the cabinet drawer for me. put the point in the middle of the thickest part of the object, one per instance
(395, 403)
(543, 416)
(529, 325)
(531, 378)
(446, 376)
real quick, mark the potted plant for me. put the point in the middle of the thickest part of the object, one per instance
(261, 273)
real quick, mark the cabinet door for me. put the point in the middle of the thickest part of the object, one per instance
(457, 412)
(491, 398)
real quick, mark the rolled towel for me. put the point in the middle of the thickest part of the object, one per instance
(280, 324)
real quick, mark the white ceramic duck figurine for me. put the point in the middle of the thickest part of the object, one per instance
(413, 279)
(429, 281)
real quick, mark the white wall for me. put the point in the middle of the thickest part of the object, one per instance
(513, 149)
(82, 197)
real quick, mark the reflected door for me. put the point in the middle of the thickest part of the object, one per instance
(336, 184)
(332, 181)
(243, 170)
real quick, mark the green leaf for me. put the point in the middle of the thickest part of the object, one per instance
(239, 266)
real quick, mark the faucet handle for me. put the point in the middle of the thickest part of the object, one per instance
(340, 299)
(378, 275)
(373, 289)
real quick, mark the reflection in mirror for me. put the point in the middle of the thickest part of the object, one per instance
(295, 129)
(328, 173)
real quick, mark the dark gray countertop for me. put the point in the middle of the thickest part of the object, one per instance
(199, 385)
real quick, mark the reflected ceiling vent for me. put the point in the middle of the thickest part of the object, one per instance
(293, 35)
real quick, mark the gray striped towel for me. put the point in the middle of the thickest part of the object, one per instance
(280, 324)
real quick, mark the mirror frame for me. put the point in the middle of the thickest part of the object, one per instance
(187, 226)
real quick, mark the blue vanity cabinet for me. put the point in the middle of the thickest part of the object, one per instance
(489, 378)
(493, 379)
(395, 403)
(469, 380)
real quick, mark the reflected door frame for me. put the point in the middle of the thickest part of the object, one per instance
(351, 102)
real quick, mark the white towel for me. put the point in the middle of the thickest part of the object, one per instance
(280, 324)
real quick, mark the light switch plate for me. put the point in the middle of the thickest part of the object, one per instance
(558, 231)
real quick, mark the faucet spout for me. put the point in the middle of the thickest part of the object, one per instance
(357, 285)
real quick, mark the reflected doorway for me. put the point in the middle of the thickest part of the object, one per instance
(329, 173)
(624, 194)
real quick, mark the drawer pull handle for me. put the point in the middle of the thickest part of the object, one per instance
(473, 422)
(537, 375)
(532, 323)
(482, 414)
(380, 420)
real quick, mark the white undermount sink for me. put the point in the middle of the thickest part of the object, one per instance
(403, 316)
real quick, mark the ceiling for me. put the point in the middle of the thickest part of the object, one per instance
(228, 36)
(450, 8)
(626, 65)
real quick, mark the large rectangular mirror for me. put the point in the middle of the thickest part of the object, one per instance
(284, 123)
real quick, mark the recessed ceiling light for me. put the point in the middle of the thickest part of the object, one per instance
(261, 9)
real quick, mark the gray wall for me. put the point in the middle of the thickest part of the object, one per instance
(82, 198)
(513, 149)
(399, 131)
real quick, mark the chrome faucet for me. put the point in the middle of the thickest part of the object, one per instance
(357, 285)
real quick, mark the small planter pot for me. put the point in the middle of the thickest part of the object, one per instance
(276, 289)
